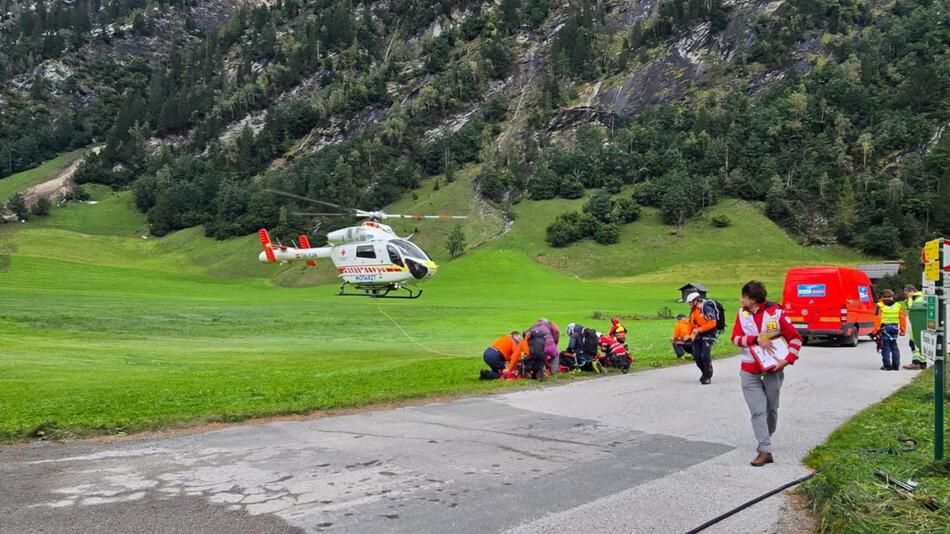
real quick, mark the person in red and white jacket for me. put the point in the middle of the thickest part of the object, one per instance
(769, 343)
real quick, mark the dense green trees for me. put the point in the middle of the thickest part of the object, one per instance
(847, 152)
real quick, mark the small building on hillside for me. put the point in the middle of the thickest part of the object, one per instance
(876, 271)
(691, 287)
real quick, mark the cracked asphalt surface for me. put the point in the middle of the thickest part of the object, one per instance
(646, 452)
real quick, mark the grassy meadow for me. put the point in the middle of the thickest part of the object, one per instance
(105, 331)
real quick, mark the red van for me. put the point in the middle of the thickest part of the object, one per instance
(830, 302)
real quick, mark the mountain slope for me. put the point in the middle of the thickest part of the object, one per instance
(831, 113)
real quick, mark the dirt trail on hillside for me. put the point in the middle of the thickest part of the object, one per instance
(56, 187)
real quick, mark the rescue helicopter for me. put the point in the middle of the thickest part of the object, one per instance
(370, 258)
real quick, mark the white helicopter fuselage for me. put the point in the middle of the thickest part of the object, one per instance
(366, 256)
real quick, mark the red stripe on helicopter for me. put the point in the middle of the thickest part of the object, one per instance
(364, 269)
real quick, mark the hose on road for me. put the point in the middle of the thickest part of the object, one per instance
(747, 504)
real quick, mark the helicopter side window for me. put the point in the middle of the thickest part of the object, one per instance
(366, 251)
(394, 256)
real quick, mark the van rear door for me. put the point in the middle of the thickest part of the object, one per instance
(813, 298)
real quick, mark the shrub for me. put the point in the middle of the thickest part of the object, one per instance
(625, 210)
(607, 234)
(721, 221)
(600, 205)
(41, 207)
(571, 188)
(570, 227)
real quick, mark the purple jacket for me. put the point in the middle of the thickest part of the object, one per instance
(551, 332)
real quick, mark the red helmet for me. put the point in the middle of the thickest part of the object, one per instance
(614, 320)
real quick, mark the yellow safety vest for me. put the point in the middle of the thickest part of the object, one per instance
(914, 297)
(890, 314)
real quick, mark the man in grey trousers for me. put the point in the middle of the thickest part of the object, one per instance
(759, 326)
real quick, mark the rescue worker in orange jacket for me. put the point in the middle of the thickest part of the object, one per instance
(520, 351)
(682, 338)
(502, 351)
(889, 323)
(702, 317)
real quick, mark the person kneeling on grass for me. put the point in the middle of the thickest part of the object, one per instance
(682, 338)
(615, 353)
(500, 354)
(618, 331)
(769, 343)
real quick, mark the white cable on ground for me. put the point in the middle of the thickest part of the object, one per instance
(414, 340)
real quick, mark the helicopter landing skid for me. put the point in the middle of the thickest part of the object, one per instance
(381, 292)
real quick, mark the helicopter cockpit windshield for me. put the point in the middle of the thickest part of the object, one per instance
(410, 250)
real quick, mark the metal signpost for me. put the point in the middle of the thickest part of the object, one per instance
(933, 340)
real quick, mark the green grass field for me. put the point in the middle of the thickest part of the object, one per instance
(102, 331)
(21, 181)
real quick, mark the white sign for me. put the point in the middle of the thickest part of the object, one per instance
(928, 344)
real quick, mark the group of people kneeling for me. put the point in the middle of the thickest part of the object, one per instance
(534, 352)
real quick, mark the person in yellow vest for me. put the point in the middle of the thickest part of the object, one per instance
(889, 323)
(912, 295)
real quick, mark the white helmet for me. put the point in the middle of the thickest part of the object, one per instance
(692, 296)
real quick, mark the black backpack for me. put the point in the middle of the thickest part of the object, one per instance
(720, 315)
(589, 342)
(536, 344)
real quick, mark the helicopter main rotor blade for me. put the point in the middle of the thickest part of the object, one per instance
(419, 216)
(310, 214)
(307, 199)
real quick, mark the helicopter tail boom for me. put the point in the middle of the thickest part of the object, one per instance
(281, 253)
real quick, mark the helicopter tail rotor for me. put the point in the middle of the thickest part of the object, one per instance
(267, 245)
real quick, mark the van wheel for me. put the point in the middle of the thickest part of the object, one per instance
(852, 340)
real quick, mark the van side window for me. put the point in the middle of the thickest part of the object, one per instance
(366, 251)
(394, 256)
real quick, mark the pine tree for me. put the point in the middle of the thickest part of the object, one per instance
(455, 243)
(17, 204)
(41, 207)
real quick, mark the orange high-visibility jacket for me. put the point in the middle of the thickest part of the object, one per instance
(506, 345)
(700, 321)
(520, 350)
(682, 332)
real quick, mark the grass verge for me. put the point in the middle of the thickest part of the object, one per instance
(848, 498)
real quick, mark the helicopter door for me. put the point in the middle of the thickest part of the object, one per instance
(394, 256)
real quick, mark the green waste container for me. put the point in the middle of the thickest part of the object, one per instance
(918, 319)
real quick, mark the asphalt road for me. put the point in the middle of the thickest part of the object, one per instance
(653, 451)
